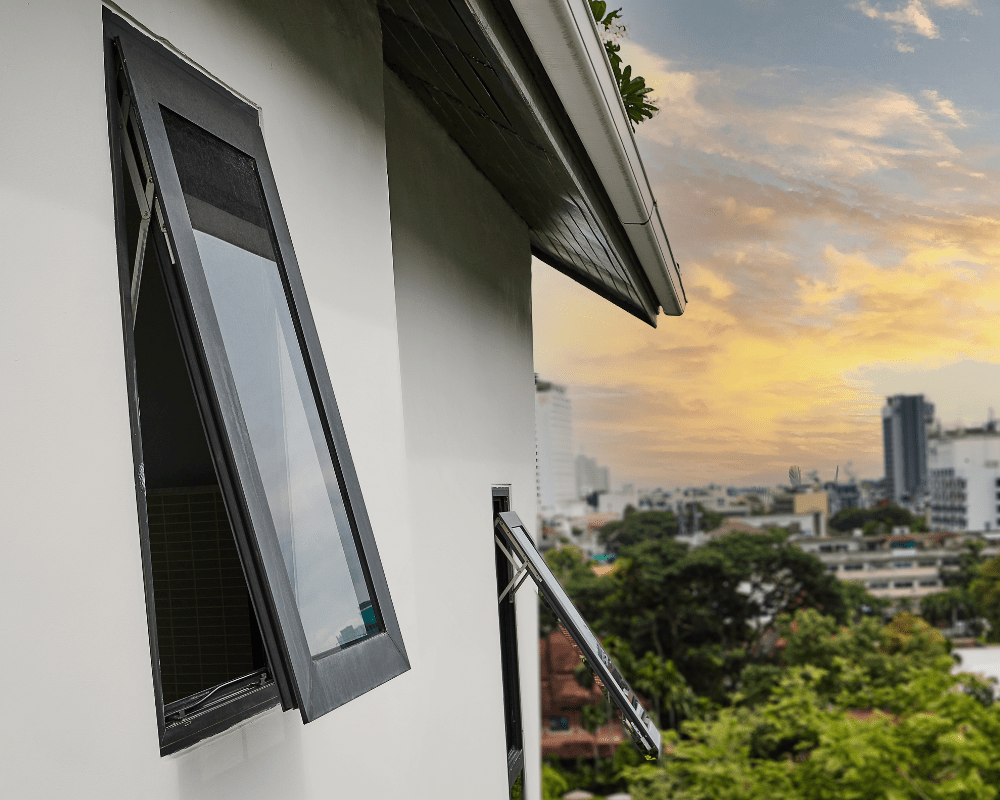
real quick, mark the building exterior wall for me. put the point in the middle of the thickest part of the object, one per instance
(964, 470)
(463, 294)
(79, 716)
(811, 503)
(554, 432)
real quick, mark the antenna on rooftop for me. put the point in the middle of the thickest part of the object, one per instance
(836, 475)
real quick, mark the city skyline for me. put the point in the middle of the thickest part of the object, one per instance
(826, 175)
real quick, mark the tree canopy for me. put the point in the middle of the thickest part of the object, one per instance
(705, 610)
(771, 679)
(861, 711)
(881, 519)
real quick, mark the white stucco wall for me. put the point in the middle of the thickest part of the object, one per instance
(436, 411)
(463, 295)
(78, 715)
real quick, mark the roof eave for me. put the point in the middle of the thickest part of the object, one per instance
(566, 41)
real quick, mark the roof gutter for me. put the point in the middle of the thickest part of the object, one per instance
(565, 38)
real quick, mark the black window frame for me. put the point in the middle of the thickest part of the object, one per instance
(511, 531)
(158, 79)
(509, 663)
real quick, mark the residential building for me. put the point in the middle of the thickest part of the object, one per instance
(783, 500)
(964, 469)
(563, 733)
(617, 502)
(815, 502)
(842, 496)
(261, 500)
(905, 419)
(812, 523)
(871, 493)
(556, 466)
(899, 566)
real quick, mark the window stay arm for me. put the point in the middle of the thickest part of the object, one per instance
(145, 193)
(258, 678)
(520, 571)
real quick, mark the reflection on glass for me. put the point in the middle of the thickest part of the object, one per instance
(231, 230)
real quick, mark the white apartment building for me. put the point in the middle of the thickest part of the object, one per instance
(908, 566)
(555, 463)
(964, 480)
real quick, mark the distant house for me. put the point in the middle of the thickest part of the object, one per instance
(268, 383)
(563, 733)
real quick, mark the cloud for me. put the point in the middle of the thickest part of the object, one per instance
(911, 18)
(825, 231)
(942, 107)
(775, 120)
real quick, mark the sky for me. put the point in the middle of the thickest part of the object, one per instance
(827, 173)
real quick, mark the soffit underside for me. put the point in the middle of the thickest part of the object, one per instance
(439, 50)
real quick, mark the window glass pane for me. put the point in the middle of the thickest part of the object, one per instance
(232, 232)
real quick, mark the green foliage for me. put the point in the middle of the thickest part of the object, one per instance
(984, 591)
(698, 609)
(875, 520)
(633, 90)
(909, 634)
(845, 712)
(860, 664)
(823, 702)
(584, 675)
(554, 785)
(860, 603)
(960, 601)
(639, 527)
(593, 717)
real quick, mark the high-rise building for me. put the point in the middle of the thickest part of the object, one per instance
(964, 469)
(555, 466)
(904, 441)
(591, 477)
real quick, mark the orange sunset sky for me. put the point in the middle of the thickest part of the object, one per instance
(828, 176)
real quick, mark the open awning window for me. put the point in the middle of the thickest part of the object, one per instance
(514, 539)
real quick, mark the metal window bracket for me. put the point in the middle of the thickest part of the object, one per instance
(521, 571)
(145, 195)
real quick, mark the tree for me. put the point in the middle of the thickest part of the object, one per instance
(593, 717)
(855, 711)
(860, 603)
(959, 602)
(554, 785)
(703, 609)
(884, 517)
(638, 527)
(984, 591)
(661, 680)
(799, 747)
(633, 90)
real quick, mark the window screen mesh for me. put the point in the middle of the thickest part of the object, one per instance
(203, 616)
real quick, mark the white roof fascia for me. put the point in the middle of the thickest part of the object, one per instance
(565, 38)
